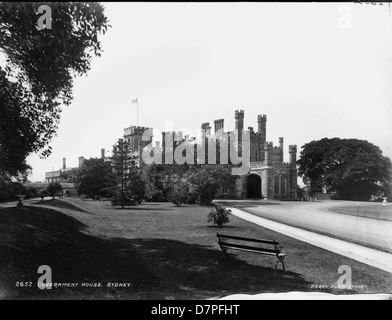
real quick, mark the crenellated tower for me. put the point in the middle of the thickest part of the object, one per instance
(293, 154)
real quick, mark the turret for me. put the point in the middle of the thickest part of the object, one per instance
(267, 147)
(262, 127)
(293, 154)
(281, 148)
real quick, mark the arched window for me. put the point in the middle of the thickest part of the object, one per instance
(280, 185)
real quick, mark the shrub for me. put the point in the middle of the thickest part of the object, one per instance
(54, 188)
(43, 194)
(9, 190)
(83, 197)
(123, 200)
(178, 194)
(31, 192)
(219, 216)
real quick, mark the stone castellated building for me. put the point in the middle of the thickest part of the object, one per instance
(269, 177)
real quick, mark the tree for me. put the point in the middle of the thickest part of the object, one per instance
(39, 72)
(179, 191)
(130, 185)
(54, 188)
(205, 181)
(95, 178)
(136, 186)
(43, 194)
(354, 169)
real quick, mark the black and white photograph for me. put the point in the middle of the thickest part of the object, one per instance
(209, 152)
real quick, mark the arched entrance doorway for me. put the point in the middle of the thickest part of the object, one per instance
(253, 184)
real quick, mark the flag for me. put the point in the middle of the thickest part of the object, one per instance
(135, 100)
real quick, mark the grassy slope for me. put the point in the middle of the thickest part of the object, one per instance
(166, 252)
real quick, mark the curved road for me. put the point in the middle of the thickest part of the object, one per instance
(315, 216)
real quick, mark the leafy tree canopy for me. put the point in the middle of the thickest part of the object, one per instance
(54, 188)
(39, 71)
(355, 169)
(95, 178)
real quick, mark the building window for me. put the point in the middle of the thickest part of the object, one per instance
(224, 190)
(281, 185)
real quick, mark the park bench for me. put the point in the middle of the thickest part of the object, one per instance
(262, 246)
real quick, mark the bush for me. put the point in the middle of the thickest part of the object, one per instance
(123, 200)
(31, 192)
(219, 216)
(83, 197)
(9, 190)
(178, 194)
(54, 188)
(43, 194)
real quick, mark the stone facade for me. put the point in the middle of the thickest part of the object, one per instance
(269, 177)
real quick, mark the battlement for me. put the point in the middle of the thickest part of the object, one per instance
(268, 145)
(135, 130)
(239, 113)
(292, 148)
(262, 118)
(257, 164)
(282, 164)
(205, 125)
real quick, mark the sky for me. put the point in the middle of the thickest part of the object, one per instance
(316, 69)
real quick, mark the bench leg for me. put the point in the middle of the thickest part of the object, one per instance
(224, 250)
(282, 262)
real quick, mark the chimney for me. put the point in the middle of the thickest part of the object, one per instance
(103, 153)
(81, 160)
(219, 125)
(64, 163)
(293, 154)
(239, 120)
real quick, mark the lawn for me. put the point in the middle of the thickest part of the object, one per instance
(373, 211)
(160, 250)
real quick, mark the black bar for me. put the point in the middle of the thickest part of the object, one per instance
(248, 239)
(240, 246)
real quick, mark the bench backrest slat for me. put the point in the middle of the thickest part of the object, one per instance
(248, 239)
(240, 246)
